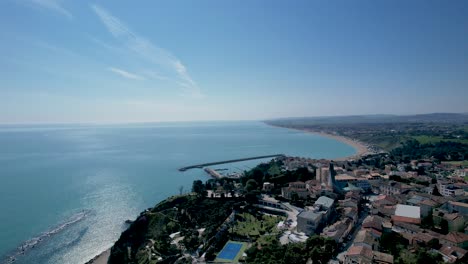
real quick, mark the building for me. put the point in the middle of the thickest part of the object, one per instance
(322, 174)
(407, 214)
(365, 238)
(267, 186)
(455, 221)
(298, 188)
(447, 188)
(309, 221)
(459, 207)
(339, 230)
(393, 187)
(365, 255)
(456, 239)
(358, 255)
(451, 254)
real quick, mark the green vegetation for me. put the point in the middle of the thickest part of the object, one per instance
(442, 151)
(316, 248)
(463, 163)
(388, 132)
(396, 245)
(435, 139)
(248, 225)
(152, 228)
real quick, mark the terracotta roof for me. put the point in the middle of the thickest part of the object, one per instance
(374, 222)
(428, 202)
(383, 257)
(451, 217)
(364, 236)
(404, 219)
(452, 251)
(456, 237)
(459, 204)
(360, 251)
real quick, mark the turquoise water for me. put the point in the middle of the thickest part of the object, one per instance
(83, 181)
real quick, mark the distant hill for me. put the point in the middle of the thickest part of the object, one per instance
(369, 119)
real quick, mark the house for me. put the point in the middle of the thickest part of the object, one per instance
(451, 254)
(313, 186)
(407, 214)
(427, 206)
(381, 258)
(459, 207)
(456, 239)
(339, 230)
(455, 221)
(447, 188)
(364, 255)
(267, 186)
(358, 255)
(365, 238)
(393, 187)
(309, 221)
(298, 188)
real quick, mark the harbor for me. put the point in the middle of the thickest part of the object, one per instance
(201, 166)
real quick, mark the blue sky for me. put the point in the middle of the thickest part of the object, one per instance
(140, 61)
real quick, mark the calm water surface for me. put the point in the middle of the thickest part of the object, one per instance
(81, 182)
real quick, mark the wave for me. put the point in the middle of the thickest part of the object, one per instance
(33, 242)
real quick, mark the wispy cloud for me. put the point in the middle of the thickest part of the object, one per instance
(54, 5)
(126, 74)
(150, 52)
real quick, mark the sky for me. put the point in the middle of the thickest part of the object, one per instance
(109, 61)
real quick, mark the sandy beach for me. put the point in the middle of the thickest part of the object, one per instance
(360, 147)
(101, 258)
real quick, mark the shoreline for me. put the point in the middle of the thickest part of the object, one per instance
(101, 258)
(361, 148)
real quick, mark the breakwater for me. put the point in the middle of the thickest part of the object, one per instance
(200, 166)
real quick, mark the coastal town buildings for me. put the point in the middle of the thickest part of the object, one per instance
(310, 220)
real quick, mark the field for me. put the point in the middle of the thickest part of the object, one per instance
(463, 163)
(435, 139)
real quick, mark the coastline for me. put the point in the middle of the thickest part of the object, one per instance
(361, 148)
(102, 258)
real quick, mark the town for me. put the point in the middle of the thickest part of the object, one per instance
(374, 209)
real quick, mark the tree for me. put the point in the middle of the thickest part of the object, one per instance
(321, 249)
(250, 185)
(181, 189)
(436, 192)
(199, 188)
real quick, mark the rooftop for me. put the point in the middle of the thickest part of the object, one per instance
(310, 215)
(324, 201)
(408, 211)
(360, 251)
(459, 204)
(382, 257)
(457, 237)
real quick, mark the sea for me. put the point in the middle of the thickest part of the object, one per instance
(67, 190)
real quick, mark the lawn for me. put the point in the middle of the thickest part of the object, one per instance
(250, 226)
(435, 139)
